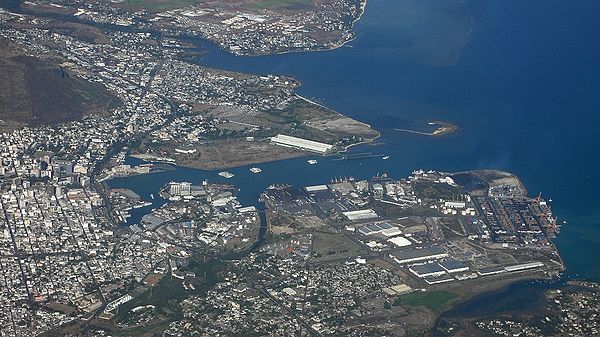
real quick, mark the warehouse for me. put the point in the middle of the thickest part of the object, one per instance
(301, 144)
(390, 232)
(316, 188)
(400, 241)
(364, 214)
(431, 269)
(491, 271)
(523, 266)
(453, 266)
(437, 280)
(417, 255)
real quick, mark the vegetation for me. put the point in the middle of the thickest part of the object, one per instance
(292, 4)
(332, 246)
(165, 295)
(157, 5)
(35, 91)
(437, 191)
(434, 300)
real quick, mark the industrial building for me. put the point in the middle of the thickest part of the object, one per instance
(180, 189)
(364, 214)
(491, 271)
(374, 228)
(418, 255)
(391, 232)
(400, 241)
(316, 188)
(523, 266)
(431, 269)
(454, 266)
(301, 144)
(439, 279)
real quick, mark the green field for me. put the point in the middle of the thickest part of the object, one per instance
(292, 4)
(330, 246)
(436, 191)
(434, 300)
(157, 5)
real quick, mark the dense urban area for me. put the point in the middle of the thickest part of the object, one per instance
(371, 257)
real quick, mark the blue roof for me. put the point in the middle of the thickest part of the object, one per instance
(374, 227)
(385, 225)
(452, 264)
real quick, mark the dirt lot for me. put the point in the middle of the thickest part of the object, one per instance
(223, 154)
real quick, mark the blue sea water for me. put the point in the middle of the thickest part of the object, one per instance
(520, 78)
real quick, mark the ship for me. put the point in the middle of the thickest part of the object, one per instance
(226, 174)
(385, 157)
(255, 170)
(312, 161)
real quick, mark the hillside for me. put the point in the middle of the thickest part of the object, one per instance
(36, 91)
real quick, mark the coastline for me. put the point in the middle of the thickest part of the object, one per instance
(338, 45)
(494, 287)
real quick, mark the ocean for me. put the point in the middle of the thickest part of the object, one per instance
(521, 79)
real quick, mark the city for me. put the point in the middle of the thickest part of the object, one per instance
(368, 256)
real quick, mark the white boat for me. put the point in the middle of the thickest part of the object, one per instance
(255, 170)
(312, 161)
(151, 196)
(226, 174)
(385, 157)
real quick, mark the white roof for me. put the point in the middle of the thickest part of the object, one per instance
(316, 188)
(301, 143)
(362, 214)
(400, 241)
(391, 231)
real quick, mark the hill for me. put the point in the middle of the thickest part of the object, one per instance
(35, 91)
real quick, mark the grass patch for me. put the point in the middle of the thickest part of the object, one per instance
(334, 246)
(437, 191)
(291, 4)
(166, 294)
(434, 300)
(157, 5)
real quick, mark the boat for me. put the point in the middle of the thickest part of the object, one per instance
(226, 174)
(255, 170)
(385, 157)
(151, 196)
(312, 161)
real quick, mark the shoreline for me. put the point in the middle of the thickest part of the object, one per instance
(488, 290)
(338, 45)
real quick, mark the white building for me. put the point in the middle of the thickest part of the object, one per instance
(400, 241)
(301, 144)
(363, 214)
